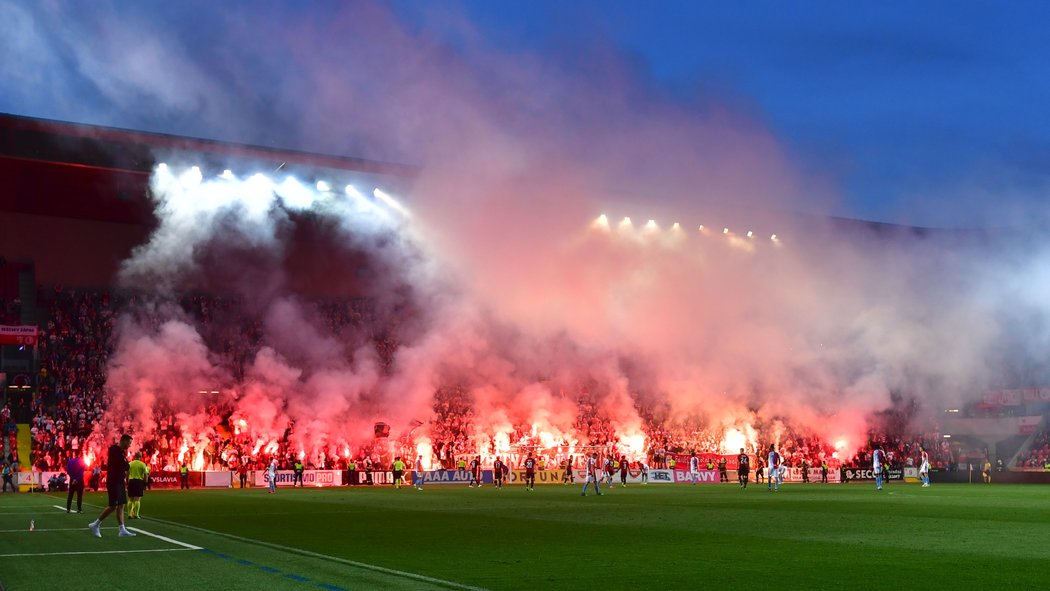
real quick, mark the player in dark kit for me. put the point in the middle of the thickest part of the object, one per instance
(567, 477)
(116, 487)
(497, 472)
(475, 472)
(530, 472)
(623, 471)
(743, 464)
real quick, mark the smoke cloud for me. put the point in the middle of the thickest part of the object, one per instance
(501, 280)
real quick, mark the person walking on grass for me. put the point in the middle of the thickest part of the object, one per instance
(530, 472)
(498, 470)
(773, 463)
(418, 475)
(116, 487)
(924, 467)
(592, 475)
(567, 477)
(475, 472)
(743, 468)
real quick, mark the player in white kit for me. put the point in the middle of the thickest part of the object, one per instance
(924, 467)
(271, 473)
(877, 461)
(775, 475)
(592, 475)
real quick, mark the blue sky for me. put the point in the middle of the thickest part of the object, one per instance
(913, 109)
(931, 113)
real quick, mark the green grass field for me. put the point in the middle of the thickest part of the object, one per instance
(641, 537)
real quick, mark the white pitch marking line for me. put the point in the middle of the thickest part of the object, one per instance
(96, 552)
(355, 563)
(152, 535)
(362, 565)
(169, 540)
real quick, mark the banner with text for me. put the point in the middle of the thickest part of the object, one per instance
(18, 335)
(850, 474)
(169, 480)
(682, 461)
(661, 476)
(375, 477)
(633, 476)
(449, 477)
(310, 478)
(814, 474)
(702, 477)
(542, 477)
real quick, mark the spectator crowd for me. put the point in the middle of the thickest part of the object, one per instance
(78, 337)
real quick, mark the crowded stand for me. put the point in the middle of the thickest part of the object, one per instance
(1038, 455)
(71, 407)
(69, 413)
(78, 337)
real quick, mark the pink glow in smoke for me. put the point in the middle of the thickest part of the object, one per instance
(516, 296)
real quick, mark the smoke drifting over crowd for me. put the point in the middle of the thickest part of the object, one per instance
(500, 279)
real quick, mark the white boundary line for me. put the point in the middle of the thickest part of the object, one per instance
(169, 540)
(96, 552)
(143, 532)
(346, 561)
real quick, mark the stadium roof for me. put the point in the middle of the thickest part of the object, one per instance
(41, 160)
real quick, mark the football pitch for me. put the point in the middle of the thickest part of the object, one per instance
(453, 537)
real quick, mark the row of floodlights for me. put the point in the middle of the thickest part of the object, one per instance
(194, 176)
(603, 222)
